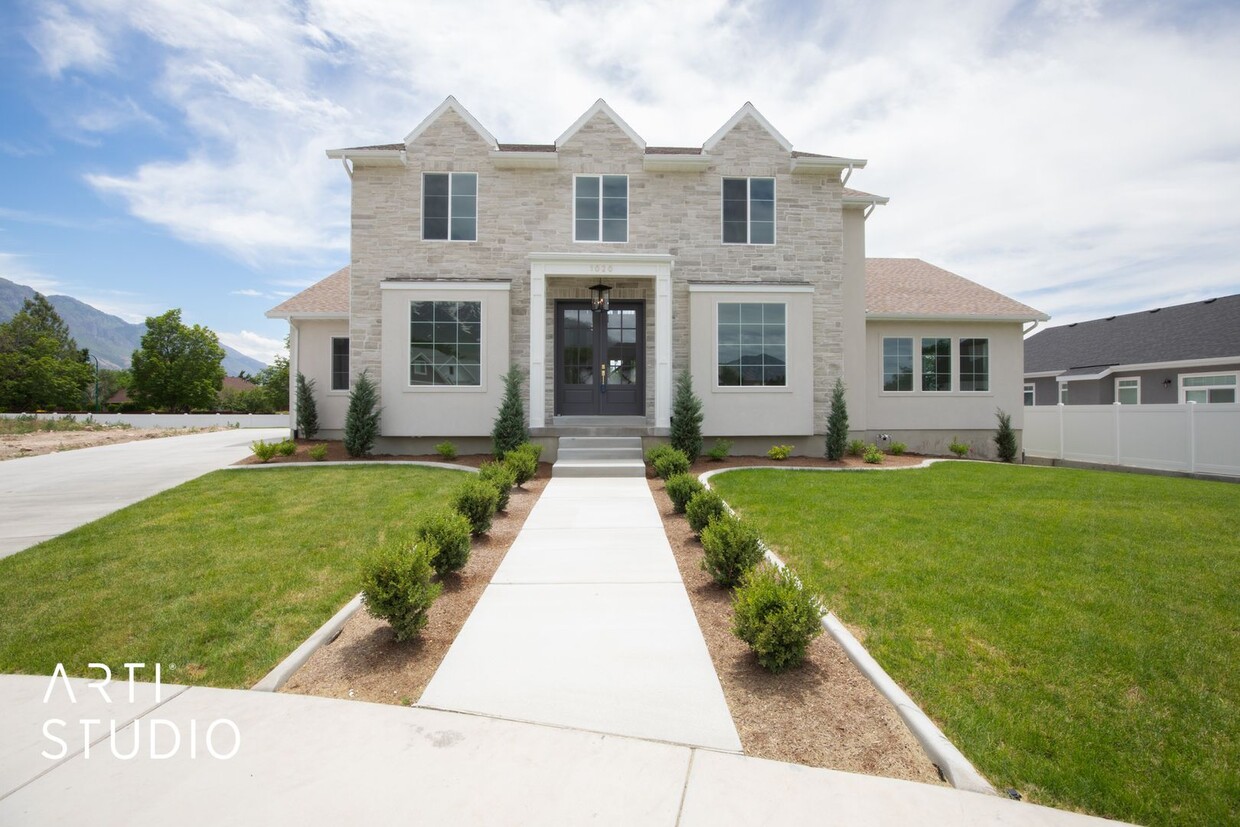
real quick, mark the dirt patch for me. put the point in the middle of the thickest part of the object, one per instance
(14, 446)
(823, 714)
(366, 663)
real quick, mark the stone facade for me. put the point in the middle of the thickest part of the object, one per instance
(526, 211)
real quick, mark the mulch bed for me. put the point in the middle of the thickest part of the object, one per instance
(337, 453)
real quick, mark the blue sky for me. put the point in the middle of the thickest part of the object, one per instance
(1079, 155)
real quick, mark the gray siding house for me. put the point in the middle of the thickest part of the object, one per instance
(741, 260)
(1168, 355)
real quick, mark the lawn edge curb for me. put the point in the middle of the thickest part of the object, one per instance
(451, 466)
(276, 678)
(956, 768)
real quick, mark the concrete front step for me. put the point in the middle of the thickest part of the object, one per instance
(598, 468)
(599, 453)
(573, 442)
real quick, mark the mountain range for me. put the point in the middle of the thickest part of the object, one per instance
(108, 337)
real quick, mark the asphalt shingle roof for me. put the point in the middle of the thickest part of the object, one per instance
(331, 295)
(911, 287)
(1207, 329)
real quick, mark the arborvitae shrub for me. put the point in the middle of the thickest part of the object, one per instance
(523, 464)
(361, 421)
(680, 489)
(396, 585)
(448, 531)
(476, 499)
(686, 434)
(307, 412)
(502, 478)
(670, 463)
(776, 617)
(509, 430)
(837, 423)
(1005, 437)
(731, 548)
(703, 507)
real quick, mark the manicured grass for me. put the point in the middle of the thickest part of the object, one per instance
(1075, 633)
(223, 576)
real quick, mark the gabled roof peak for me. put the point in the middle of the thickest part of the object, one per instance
(452, 103)
(748, 110)
(600, 105)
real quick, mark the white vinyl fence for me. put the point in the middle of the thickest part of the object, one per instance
(1200, 439)
(207, 420)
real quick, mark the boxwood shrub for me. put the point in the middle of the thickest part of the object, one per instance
(776, 617)
(476, 499)
(680, 489)
(703, 507)
(448, 531)
(502, 477)
(731, 549)
(396, 585)
(670, 463)
(523, 464)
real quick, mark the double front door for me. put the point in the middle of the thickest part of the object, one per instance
(599, 359)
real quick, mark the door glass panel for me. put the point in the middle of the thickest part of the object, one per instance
(578, 327)
(621, 347)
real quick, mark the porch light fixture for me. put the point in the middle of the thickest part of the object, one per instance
(600, 297)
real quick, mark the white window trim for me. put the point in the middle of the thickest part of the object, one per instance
(481, 387)
(748, 223)
(331, 368)
(1184, 390)
(477, 207)
(917, 372)
(1136, 379)
(1063, 393)
(628, 200)
(786, 387)
(1030, 388)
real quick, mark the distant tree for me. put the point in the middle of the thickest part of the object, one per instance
(111, 381)
(177, 367)
(837, 423)
(41, 366)
(1005, 437)
(274, 382)
(307, 412)
(686, 418)
(509, 430)
(361, 421)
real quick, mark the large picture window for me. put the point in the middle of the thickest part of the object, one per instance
(936, 364)
(340, 363)
(753, 344)
(1209, 388)
(450, 206)
(898, 364)
(601, 208)
(975, 365)
(748, 210)
(445, 343)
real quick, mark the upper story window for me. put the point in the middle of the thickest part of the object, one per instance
(936, 364)
(450, 206)
(601, 208)
(1030, 395)
(898, 364)
(975, 364)
(748, 210)
(752, 344)
(340, 363)
(1063, 393)
(445, 343)
(1128, 391)
(1219, 387)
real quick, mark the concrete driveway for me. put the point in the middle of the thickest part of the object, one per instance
(45, 496)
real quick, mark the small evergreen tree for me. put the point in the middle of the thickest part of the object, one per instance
(510, 431)
(1005, 437)
(361, 422)
(307, 412)
(837, 423)
(687, 418)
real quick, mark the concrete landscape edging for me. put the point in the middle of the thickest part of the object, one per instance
(956, 768)
(451, 466)
(279, 676)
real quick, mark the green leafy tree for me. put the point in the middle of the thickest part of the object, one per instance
(111, 381)
(1005, 437)
(686, 418)
(177, 368)
(837, 423)
(509, 430)
(361, 421)
(274, 382)
(307, 412)
(41, 366)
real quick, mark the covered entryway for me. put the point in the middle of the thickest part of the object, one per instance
(599, 364)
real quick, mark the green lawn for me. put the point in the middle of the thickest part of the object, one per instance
(1075, 633)
(222, 576)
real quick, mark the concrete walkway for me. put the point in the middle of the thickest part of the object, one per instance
(587, 624)
(47, 495)
(316, 761)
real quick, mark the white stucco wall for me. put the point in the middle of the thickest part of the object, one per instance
(852, 321)
(314, 361)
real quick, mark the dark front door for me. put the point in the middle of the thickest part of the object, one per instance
(599, 369)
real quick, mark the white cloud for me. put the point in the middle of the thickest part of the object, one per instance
(247, 292)
(64, 40)
(17, 268)
(1077, 154)
(254, 345)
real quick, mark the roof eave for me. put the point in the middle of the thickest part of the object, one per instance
(377, 157)
(811, 165)
(955, 317)
(275, 313)
(863, 201)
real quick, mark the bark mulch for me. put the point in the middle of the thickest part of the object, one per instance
(337, 453)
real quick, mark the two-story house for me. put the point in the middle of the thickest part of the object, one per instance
(602, 267)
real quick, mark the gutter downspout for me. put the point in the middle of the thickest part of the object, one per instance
(1026, 331)
(344, 162)
(847, 175)
(873, 206)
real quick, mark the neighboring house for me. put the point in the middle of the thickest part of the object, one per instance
(1168, 355)
(741, 260)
